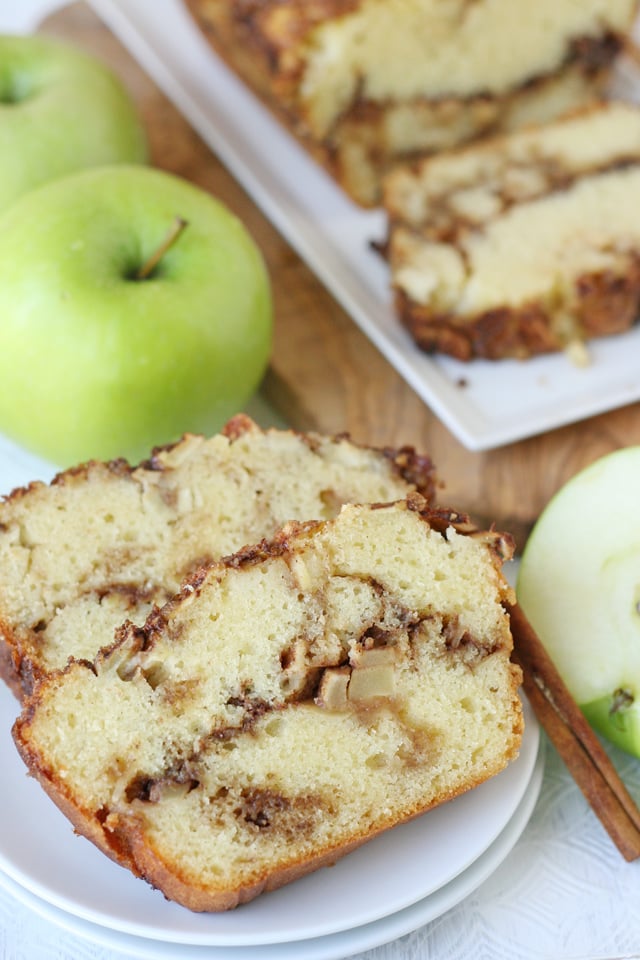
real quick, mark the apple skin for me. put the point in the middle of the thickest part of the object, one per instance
(579, 585)
(618, 724)
(60, 111)
(97, 364)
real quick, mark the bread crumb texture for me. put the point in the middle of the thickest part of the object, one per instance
(291, 702)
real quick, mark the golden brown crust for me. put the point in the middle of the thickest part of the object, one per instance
(605, 303)
(418, 469)
(10, 671)
(124, 841)
(164, 877)
(85, 823)
(447, 207)
(123, 838)
(149, 865)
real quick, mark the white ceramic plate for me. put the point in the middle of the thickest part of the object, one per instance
(498, 403)
(330, 947)
(440, 857)
(386, 875)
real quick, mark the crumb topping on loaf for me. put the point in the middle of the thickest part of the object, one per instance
(291, 702)
(105, 541)
(528, 241)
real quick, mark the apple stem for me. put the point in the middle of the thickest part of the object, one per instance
(172, 235)
(622, 700)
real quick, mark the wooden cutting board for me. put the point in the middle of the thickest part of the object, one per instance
(325, 375)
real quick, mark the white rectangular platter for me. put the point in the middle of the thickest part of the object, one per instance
(485, 405)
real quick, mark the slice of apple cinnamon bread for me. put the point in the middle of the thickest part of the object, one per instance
(293, 701)
(104, 542)
(522, 244)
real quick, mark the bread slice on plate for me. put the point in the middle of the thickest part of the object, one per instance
(524, 244)
(104, 542)
(364, 83)
(291, 702)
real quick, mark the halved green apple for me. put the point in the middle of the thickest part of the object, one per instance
(579, 585)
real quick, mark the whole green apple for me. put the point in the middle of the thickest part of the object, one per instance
(60, 111)
(579, 584)
(98, 361)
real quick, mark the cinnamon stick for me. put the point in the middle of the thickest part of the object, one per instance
(573, 738)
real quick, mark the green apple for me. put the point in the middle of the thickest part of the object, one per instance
(579, 584)
(96, 361)
(60, 111)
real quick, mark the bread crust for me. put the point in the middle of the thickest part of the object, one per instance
(85, 823)
(606, 304)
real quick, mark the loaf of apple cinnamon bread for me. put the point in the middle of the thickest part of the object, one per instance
(365, 83)
(105, 542)
(293, 701)
(522, 244)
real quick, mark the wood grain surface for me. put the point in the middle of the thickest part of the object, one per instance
(325, 374)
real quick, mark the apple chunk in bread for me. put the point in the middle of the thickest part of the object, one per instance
(579, 584)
